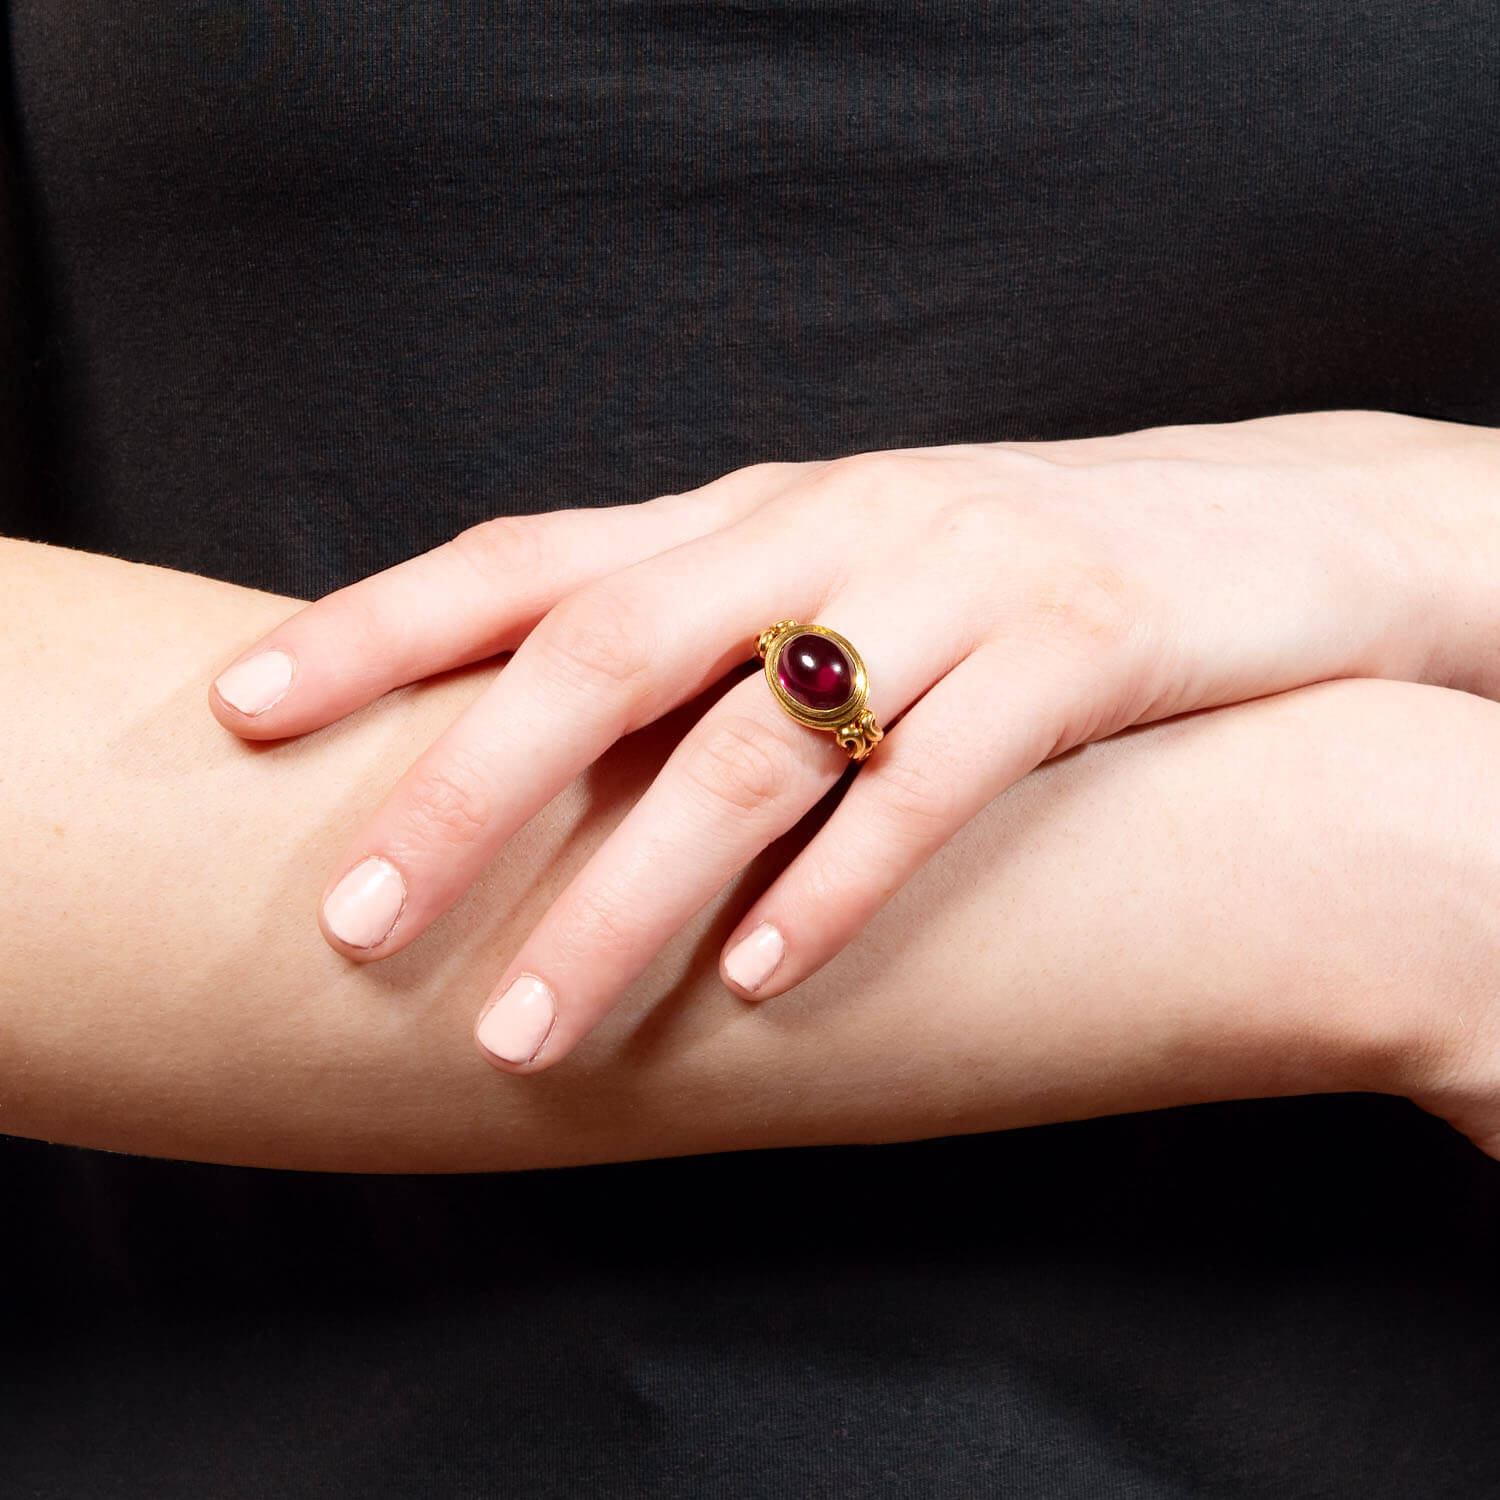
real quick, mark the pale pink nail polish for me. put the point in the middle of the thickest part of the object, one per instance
(362, 908)
(259, 683)
(517, 1024)
(753, 959)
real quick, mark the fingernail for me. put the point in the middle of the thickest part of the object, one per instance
(517, 1024)
(753, 959)
(362, 908)
(259, 683)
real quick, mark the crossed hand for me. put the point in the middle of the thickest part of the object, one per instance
(1009, 601)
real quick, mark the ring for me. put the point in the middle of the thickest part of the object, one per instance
(819, 679)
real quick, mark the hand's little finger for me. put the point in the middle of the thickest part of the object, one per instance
(971, 736)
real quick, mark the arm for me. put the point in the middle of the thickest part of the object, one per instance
(1014, 601)
(1195, 910)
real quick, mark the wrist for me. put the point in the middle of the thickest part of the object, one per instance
(1444, 477)
(1420, 896)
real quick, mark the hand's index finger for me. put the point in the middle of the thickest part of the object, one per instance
(471, 598)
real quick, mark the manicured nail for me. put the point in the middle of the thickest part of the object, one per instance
(753, 959)
(517, 1024)
(259, 683)
(362, 908)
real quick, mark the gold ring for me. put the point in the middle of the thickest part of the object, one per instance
(819, 679)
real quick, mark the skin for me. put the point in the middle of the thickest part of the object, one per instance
(1012, 601)
(1291, 895)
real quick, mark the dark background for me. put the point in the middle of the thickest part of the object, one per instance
(298, 288)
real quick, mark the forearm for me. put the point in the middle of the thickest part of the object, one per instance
(1104, 937)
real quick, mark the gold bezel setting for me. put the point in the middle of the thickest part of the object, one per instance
(851, 721)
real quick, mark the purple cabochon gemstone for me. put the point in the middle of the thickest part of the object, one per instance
(815, 671)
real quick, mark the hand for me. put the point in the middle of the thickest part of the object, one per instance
(1011, 601)
(1299, 893)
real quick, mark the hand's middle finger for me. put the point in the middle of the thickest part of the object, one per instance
(608, 659)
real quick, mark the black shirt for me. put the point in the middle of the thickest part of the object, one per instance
(302, 287)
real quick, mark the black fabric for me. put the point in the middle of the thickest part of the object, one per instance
(312, 284)
(24, 492)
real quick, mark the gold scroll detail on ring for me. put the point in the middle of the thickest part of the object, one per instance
(860, 736)
(853, 725)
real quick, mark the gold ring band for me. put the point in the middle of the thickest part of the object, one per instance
(820, 680)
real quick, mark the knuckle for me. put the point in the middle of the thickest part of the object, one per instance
(830, 882)
(878, 464)
(739, 763)
(736, 489)
(451, 802)
(596, 640)
(767, 471)
(876, 475)
(920, 798)
(828, 484)
(840, 470)
(600, 924)
(871, 493)
(503, 546)
(372, 623)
